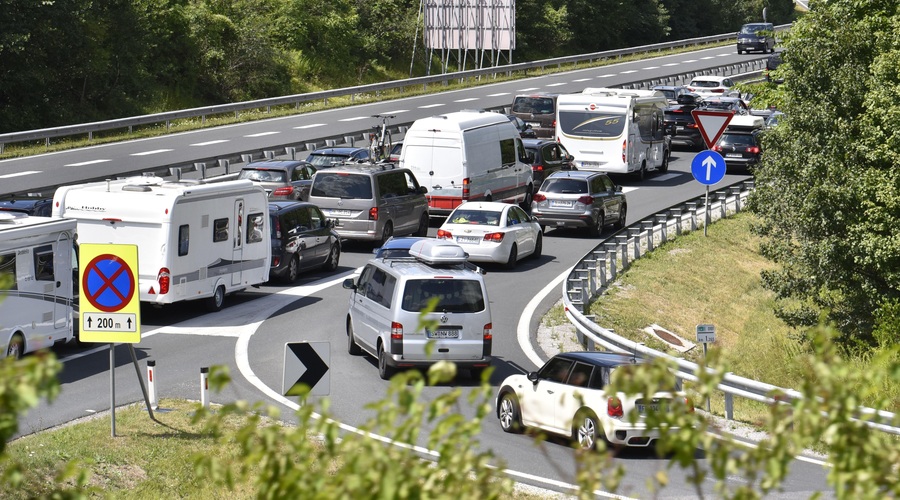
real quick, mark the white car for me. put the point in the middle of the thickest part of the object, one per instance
(709, 85)
(567, 397)
(493, 232)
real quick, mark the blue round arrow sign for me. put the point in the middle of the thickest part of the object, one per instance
(708, 167)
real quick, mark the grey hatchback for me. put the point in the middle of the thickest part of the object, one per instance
(282, 179)
(580, 199)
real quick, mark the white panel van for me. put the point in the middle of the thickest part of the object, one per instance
(468, 156)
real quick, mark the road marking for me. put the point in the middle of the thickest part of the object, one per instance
(582, 80)
(606, 75)
(708, 57)
(689, 61)
(628, 71)
(556, 84)
(467, 99)
(528, 89)
(210, 143)
(262, 134)
(309, 126)
(395, 112)
(628, 189)
(430, 106)
(498, 95)
(723, 55)
(153, 152)
(19, 174)
(671, 64)
(651, 67)
(91, 162)
(355, 118)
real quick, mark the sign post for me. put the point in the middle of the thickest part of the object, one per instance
(708, 166)
(705, 334)
(110, 309)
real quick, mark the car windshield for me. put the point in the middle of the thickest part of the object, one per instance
(263, 175)
(535, 105)
(718, 105)
(323, 160)
(751, 29)
(708, 84)
(670, 94)
(738, 140)
(453, 295)
(564, 186)
(482, 217)
(342, 185)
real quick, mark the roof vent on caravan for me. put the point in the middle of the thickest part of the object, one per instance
(435, 253)
(142, 183)
(11, 217)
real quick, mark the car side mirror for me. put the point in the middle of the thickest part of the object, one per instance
(618, 188)
(349, 284)
(423, 189)
(533, 376)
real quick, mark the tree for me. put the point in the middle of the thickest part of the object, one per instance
(828, 190)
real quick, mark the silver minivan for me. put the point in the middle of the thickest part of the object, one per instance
(387, 300)
(371, 202)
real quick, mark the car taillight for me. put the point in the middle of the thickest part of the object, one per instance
(717, 148)
(495, 237)
(276, 261)
(277, 228)
(163, 279)
(753, 149)
(489, 331)
(539, 197)
(465, 193)
(283, 191)
(691, 125)
(373, 213)
(624, 148)
(718, 91)
(554, 124)
(396, 330)
(443, 234)
(586, 200)
(614, 407)
(537, 168)
(692, 89)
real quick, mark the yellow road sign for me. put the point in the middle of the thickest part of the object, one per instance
(110, 300)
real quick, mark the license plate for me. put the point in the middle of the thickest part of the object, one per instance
(641, 408)
(340, 213)
(590, 164)
(679, 129)
(734, 155)
(534, 124)
(443, 334)
(561, 203)
(467, 239)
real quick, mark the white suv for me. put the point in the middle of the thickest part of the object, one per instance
(386, 301)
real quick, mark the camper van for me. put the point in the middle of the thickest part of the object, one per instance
(467, 156)
(37, 269)
(614, 130)
(195, 241)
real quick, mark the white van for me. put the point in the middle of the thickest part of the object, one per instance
(387, 299)
(195, 241)
(37, 261)
(468, 156)
(614, 130)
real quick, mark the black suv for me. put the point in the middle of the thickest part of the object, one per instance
(302, 239)
(680, 124)
(548, 156)
(756, 36)
(740, 148)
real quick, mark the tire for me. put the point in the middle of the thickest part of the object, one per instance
(538, 247)
(529, 199)
(623, 214)
(509, 414)
(641, 174)
(586, 430)
(293, 270)
(215, 303)
(740, 51)
(385, 371)
(513, 257)
(387, 145)
(665, 164)
(334, 257)
(597, 228)
(16, 347)
(352, 347)
(386, 233)
(423, 226)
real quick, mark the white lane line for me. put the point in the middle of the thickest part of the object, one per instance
(628, 189)
(498, 95)
(19, 174)
(582, 80)
(528, 89)
(263, 134)
(430, 106)
(708, 57)
(523, 334)
(556, 84)
(467, 99)
(651, 67)
(210, 143)
(671, 64)
(355, 118)
(606, 75)
(724, 55)
(90, 162)
(309, 126)
(628, 71)
(394, 112)
(153, 152)
(689, 61)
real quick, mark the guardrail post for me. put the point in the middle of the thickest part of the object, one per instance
(330, 143)
(692, 207)
(723, 200)
(729, 406)
(648, 227)
(612, 251)
(736, 192)
(663, 220)
(269, 155)
(175, 172)
(349, 140)
(676, 214)
(200, 167)
(601, 268)
(246, 158)
(622, 242)
(291, 151)
(634, 233)
(310, 146)
(225, 165)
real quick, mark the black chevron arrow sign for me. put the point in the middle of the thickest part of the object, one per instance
(306, 364)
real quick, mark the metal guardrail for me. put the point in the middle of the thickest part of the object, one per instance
(597, 270)
(297, 99)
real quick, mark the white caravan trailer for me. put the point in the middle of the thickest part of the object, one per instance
(37, 264)
(614, 130)
(195, 241)
(467, 156)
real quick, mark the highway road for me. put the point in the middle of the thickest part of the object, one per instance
(248, 336)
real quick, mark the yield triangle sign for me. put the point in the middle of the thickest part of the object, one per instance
(711, 124)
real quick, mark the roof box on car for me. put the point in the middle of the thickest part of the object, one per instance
(746, 122)
(437, 252)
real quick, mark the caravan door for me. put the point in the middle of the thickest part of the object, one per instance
(62, 262)
(238, 252)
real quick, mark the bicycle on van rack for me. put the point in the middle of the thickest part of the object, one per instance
(380, 143)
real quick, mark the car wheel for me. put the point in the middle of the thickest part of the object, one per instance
(387, 232)
(623, 213)
(215, 303)
(385, 371)
(423, 226)
(334, 257)
(510, 417)
(665, 163)
(597, 228)
(641, 174)
(538, 246)
(740, 51)
(352, 347)
(586, 430)
(513, 256)
(16, 347)
(529, 198)
(293, 270)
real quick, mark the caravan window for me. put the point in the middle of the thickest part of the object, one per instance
(8, 268)
(507, 151)
(43, 263)
(184, 237)
(220, 230)
(255, 228)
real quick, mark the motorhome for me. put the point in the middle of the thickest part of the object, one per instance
(195, 241)
(37, 269)
(467, 156)
(617, 131)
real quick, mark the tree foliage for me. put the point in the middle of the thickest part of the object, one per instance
(829, 188)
